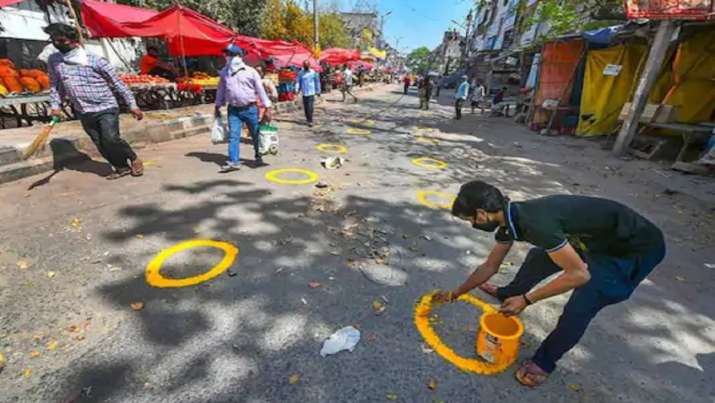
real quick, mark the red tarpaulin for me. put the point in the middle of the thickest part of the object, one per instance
(106, 20)
(283, 54)
(185, 31)
(360, 64)
(336, 56)
(5, 3)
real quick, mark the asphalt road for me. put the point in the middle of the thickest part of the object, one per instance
(74, 247)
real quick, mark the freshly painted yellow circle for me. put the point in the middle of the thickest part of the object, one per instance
(332, 148)
(274, 176)
(430, 163)
(422, 311)
(153, 269)
(422, 196)
(358, 132)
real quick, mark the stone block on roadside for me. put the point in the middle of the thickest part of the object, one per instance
(384, 275)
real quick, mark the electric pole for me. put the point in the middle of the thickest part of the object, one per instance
(316, 35)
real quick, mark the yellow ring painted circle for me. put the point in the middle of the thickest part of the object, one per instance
(422, 311)
(274, 176)
(154, 277)
(430, 163)
(332, 148)
(423, 194)
(358, 132)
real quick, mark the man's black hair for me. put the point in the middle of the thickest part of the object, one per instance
(477, 195)
(62, 30)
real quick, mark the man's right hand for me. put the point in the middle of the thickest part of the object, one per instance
(217, 112)
(56, 113)
(444, 297)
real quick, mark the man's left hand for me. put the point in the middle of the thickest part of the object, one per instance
(268, 115)
(138, 114)
(513, 306)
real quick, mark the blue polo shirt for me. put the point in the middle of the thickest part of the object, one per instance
(309, 83)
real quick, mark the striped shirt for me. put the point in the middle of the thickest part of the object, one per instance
(88, 87)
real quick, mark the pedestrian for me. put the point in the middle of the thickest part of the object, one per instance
(309, 87)
(438, 86)
(89, 82)
(360, 76)
(271, 91)
(477, 95)
(460, 96)
(498, 104)
(151, 64)
(406, 82)
(425, 88)
(602, 259)
(347, 83)
(240, 88)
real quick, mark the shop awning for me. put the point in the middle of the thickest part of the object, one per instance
(360, 64)
(107, 20)
(185, 31)
(336, 56)
(7, 3)
(282, 53)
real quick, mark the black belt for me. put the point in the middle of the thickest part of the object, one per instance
(244, 107)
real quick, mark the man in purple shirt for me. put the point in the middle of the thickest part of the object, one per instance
(240, 87)
(87, 80)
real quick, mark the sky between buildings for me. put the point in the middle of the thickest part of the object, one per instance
(415, 23)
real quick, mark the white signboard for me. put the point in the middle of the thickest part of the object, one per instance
(612, 70)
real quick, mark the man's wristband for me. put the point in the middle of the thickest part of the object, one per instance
(528, 301)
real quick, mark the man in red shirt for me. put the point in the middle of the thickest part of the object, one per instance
(151, 64)
(406, 81)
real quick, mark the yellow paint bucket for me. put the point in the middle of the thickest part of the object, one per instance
(499, 338)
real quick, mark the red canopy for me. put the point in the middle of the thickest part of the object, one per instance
(106, 20)
(336, 56)
(283, 54)
(185, 31)
(360, 64)
(5, 3)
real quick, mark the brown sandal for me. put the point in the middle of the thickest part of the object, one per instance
(119, 173)
(137, 167)
(531, 375)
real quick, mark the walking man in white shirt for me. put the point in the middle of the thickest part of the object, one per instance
(347, 83)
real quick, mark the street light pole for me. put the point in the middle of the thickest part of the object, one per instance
(316, 34)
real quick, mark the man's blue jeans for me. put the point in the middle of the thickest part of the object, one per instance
(237, 116)
(613, 279)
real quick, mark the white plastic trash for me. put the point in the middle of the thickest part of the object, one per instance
(344, 339)
(218, 131)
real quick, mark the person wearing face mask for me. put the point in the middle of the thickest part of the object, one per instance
(600, 249)
(240, 87)
(87, 81)
(309, 86)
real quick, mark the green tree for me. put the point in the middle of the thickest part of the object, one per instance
(419, 60)
(333, 33)
(566, 16)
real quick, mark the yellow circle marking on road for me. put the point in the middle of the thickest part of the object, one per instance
(153, 274)
(422, 322)
(332, 148)
(429, 163)
(274, 176)
(358, 132)
(424, 195)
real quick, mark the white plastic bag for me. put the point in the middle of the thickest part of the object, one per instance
(219, 131)
(344, 339)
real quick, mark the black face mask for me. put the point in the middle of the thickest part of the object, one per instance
(489, 226)
(63, 47)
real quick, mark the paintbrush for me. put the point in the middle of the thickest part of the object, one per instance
(41, 139)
